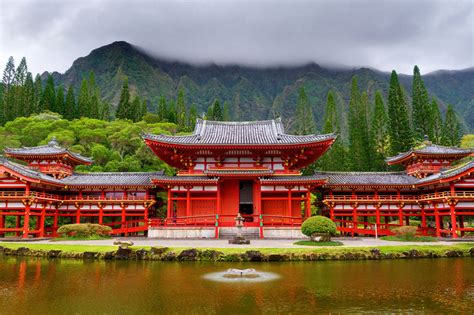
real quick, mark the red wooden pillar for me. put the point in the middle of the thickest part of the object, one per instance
(55, 220)
(188, 201)
(41, 221)
(400, 208)
(2, 224)
(423, 216)
(437, 220)
(101, 213)
(169, 204)
(308, 205)
(26, 218)
(218, 210)
(354, 213)
(454, 228)
(289, 212)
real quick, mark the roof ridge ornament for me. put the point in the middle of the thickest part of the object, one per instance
(53, 142)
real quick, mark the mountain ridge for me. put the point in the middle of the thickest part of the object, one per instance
(252, 92)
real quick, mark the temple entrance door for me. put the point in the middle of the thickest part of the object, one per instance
(246, 200)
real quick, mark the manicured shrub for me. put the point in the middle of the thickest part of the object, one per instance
(319, 226)
(84, 230)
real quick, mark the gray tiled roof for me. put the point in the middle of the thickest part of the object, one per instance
(25, 171)
(448, 172)
(243, 133)
(112, 179)
(295, 178)
(52, 148)
(239, 172)
(430, 149)
(367, 178)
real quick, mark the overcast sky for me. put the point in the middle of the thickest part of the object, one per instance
(381, 34)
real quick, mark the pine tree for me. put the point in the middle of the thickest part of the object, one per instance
(94, 104)
(36, 106)
(225, 112)
(181, 110)
(49, 97)
(59, 102)
(29, 95)
(401, 136)
(379, 135)
(335, 158)
(19, 98)
(171, 113)
(143, 109)
(359, 147)
(104, 112)
(21, 73)
(436, 123)
(304, 115)
(162, 110)
(124, 106)
(70, 105)
(210, 112)
(192, 117)
(217, 111)
(452, 132)
(83, 100)
(8, 90)
(135, 112)
(420, 106)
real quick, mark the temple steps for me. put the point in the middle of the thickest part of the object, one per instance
(250, 233)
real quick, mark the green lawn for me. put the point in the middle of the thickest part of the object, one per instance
(409, 238)
(319, 250)
(311, 243)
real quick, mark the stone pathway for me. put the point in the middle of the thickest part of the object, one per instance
(213, 243)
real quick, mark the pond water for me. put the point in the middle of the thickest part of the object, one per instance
(41, 286)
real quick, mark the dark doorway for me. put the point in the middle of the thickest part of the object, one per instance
(246, 200)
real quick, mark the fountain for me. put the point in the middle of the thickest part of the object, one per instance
(239, 238)
(241, 275)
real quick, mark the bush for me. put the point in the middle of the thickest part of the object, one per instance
(319, 226)
(84, 230)
(406, 230)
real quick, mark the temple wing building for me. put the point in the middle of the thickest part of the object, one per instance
(226, 168)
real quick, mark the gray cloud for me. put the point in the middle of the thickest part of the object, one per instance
(380, 34)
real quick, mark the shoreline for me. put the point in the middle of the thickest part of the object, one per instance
(155, 253)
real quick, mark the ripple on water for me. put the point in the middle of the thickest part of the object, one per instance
(257, 276)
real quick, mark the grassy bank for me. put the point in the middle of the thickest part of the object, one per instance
(237, 254)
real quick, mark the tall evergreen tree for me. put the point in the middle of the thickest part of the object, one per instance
(59, 102)
(29, 95)
(335, 158)
(217, 111)
(36, 106)
(420, 106)
(171, 113)
(83, 100)
(8, 90)
(401, 136)
(436, 123)
(162, 110)
(226, 112)
(94, 104)
(181, 110)
(124, 107)
(49, 96)
(70, 105)
(104, 112)
(452, 132)
(379, 135)
(210, 112)
(21, 73)
(304, 115)
(358, 129)
(135, 113)
(192, 117)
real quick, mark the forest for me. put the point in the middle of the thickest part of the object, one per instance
(33, 110)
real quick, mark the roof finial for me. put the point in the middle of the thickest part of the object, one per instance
(53, 142)
(426, 140)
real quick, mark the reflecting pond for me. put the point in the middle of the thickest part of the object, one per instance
(41, 286)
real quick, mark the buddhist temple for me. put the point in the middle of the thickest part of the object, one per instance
(226, 168)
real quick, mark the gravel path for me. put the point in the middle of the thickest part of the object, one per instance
(212, 243)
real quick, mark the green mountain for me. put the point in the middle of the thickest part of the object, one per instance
(252, 93)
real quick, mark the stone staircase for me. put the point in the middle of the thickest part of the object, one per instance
(227, 233)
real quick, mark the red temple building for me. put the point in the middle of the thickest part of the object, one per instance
(226, 168)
